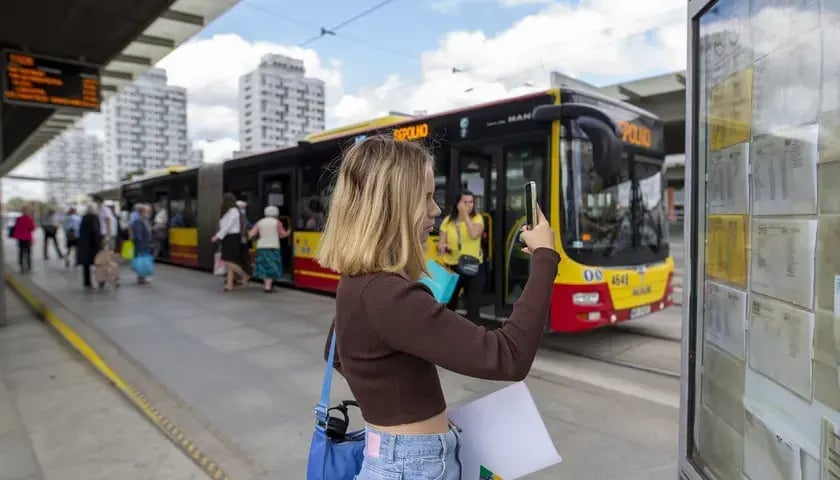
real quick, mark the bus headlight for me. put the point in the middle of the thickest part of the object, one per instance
(586, 298)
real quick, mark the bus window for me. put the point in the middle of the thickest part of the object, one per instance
(612, 220)
(313, 196)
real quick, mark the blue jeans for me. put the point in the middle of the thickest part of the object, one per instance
(391, 456)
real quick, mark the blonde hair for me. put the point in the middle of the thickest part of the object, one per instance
(377, 210)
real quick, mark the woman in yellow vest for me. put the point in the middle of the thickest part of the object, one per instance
(459, 246)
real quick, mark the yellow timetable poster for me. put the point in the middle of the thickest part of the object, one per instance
(730, 110)
(726, 248)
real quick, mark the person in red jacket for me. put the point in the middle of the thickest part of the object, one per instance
(22, 232)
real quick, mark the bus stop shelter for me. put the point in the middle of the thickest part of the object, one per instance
(761, 320)
(61, 59)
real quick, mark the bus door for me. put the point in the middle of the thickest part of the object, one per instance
(476, 172)
(278, 189)
(160, 225)
(521, 163)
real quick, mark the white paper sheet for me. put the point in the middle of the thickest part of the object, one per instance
(785, 172)
(781, 338)
(829, 451)
(725, 317)
(504, 433)
(768, 453)
(783, 259)
(728, 184)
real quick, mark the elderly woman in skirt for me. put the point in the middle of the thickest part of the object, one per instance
(269, 264)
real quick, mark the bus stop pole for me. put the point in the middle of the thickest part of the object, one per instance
(3, 304)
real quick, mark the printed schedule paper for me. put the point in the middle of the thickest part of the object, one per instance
(768, 454)
(503, 436)
(780, 338)
(725, 317)
(783, 259)
(728, 184)
(829, 451)
(785, 172)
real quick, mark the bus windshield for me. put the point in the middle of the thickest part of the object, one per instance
(617, 220)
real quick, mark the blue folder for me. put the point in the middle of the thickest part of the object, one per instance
(441, 281)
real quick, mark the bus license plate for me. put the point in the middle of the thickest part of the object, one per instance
(640, 311)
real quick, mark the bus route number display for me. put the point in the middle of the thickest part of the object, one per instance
(39, 81)
(412, 132)
(635, 134)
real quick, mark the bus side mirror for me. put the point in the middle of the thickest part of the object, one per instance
(606, 146)
(598, 126)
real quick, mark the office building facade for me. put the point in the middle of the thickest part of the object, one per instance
(278, 104)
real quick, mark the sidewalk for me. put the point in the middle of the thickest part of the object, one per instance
(247, 367)
(59, 419)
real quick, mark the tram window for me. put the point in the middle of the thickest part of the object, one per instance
(315, 185)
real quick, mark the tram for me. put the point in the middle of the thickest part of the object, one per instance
(599, 168)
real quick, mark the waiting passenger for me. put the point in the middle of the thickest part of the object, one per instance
(230, 235)
(460, 246)
(22, 232)
(391, 333)
(71, 233)
(141, 231)
(269, 262)
(90, 242)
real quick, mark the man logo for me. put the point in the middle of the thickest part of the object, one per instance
(521, 117)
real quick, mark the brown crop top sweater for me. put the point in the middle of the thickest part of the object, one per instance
(391, 333)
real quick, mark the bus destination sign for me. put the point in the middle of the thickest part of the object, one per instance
(40, 81)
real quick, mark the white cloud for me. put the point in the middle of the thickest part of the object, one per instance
(212, 86)
(516, 3)
(604, 38)
(217, 151)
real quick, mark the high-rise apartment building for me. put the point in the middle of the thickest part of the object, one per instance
(146, 127)
(75, 157)
(278, 104)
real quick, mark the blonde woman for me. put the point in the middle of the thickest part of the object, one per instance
(269, 263)
(391, 334)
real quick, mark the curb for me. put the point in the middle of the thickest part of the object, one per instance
(140, 401)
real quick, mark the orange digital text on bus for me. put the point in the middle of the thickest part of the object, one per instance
(412, 132)
(635, 134)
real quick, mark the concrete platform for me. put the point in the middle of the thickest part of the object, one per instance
(246, 367)
(59, 419)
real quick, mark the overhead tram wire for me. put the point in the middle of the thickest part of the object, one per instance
(331, 30)
(299, 22)
(567, 53)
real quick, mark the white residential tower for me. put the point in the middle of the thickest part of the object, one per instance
(74, 158)
(146, 127)
(278, 104)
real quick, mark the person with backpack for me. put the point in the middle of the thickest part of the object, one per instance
(22, 232)
(49, 224)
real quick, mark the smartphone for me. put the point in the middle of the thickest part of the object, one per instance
(531, 204)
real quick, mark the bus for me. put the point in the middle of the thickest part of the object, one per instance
(599, 168)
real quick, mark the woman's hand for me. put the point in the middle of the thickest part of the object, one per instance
(541, 236)
(213, 239)
(463, 211)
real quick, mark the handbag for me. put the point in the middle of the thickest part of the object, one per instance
(127, 250)
(467, 264)
(334, 454)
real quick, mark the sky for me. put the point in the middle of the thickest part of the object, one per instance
(400, 57)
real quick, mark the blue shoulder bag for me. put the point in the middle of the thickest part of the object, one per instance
(334, 454)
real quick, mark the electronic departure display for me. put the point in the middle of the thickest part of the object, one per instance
(41, 81)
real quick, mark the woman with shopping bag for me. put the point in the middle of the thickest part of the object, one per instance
(143, 263)
(390, 334)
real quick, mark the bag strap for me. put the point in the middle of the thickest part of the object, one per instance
(458, 233)
(321, 409)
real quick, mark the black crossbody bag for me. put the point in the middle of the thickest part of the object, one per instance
(467, 264)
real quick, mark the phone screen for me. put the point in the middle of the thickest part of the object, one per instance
(531, 204)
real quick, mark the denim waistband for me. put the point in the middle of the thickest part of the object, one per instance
(390, 446)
